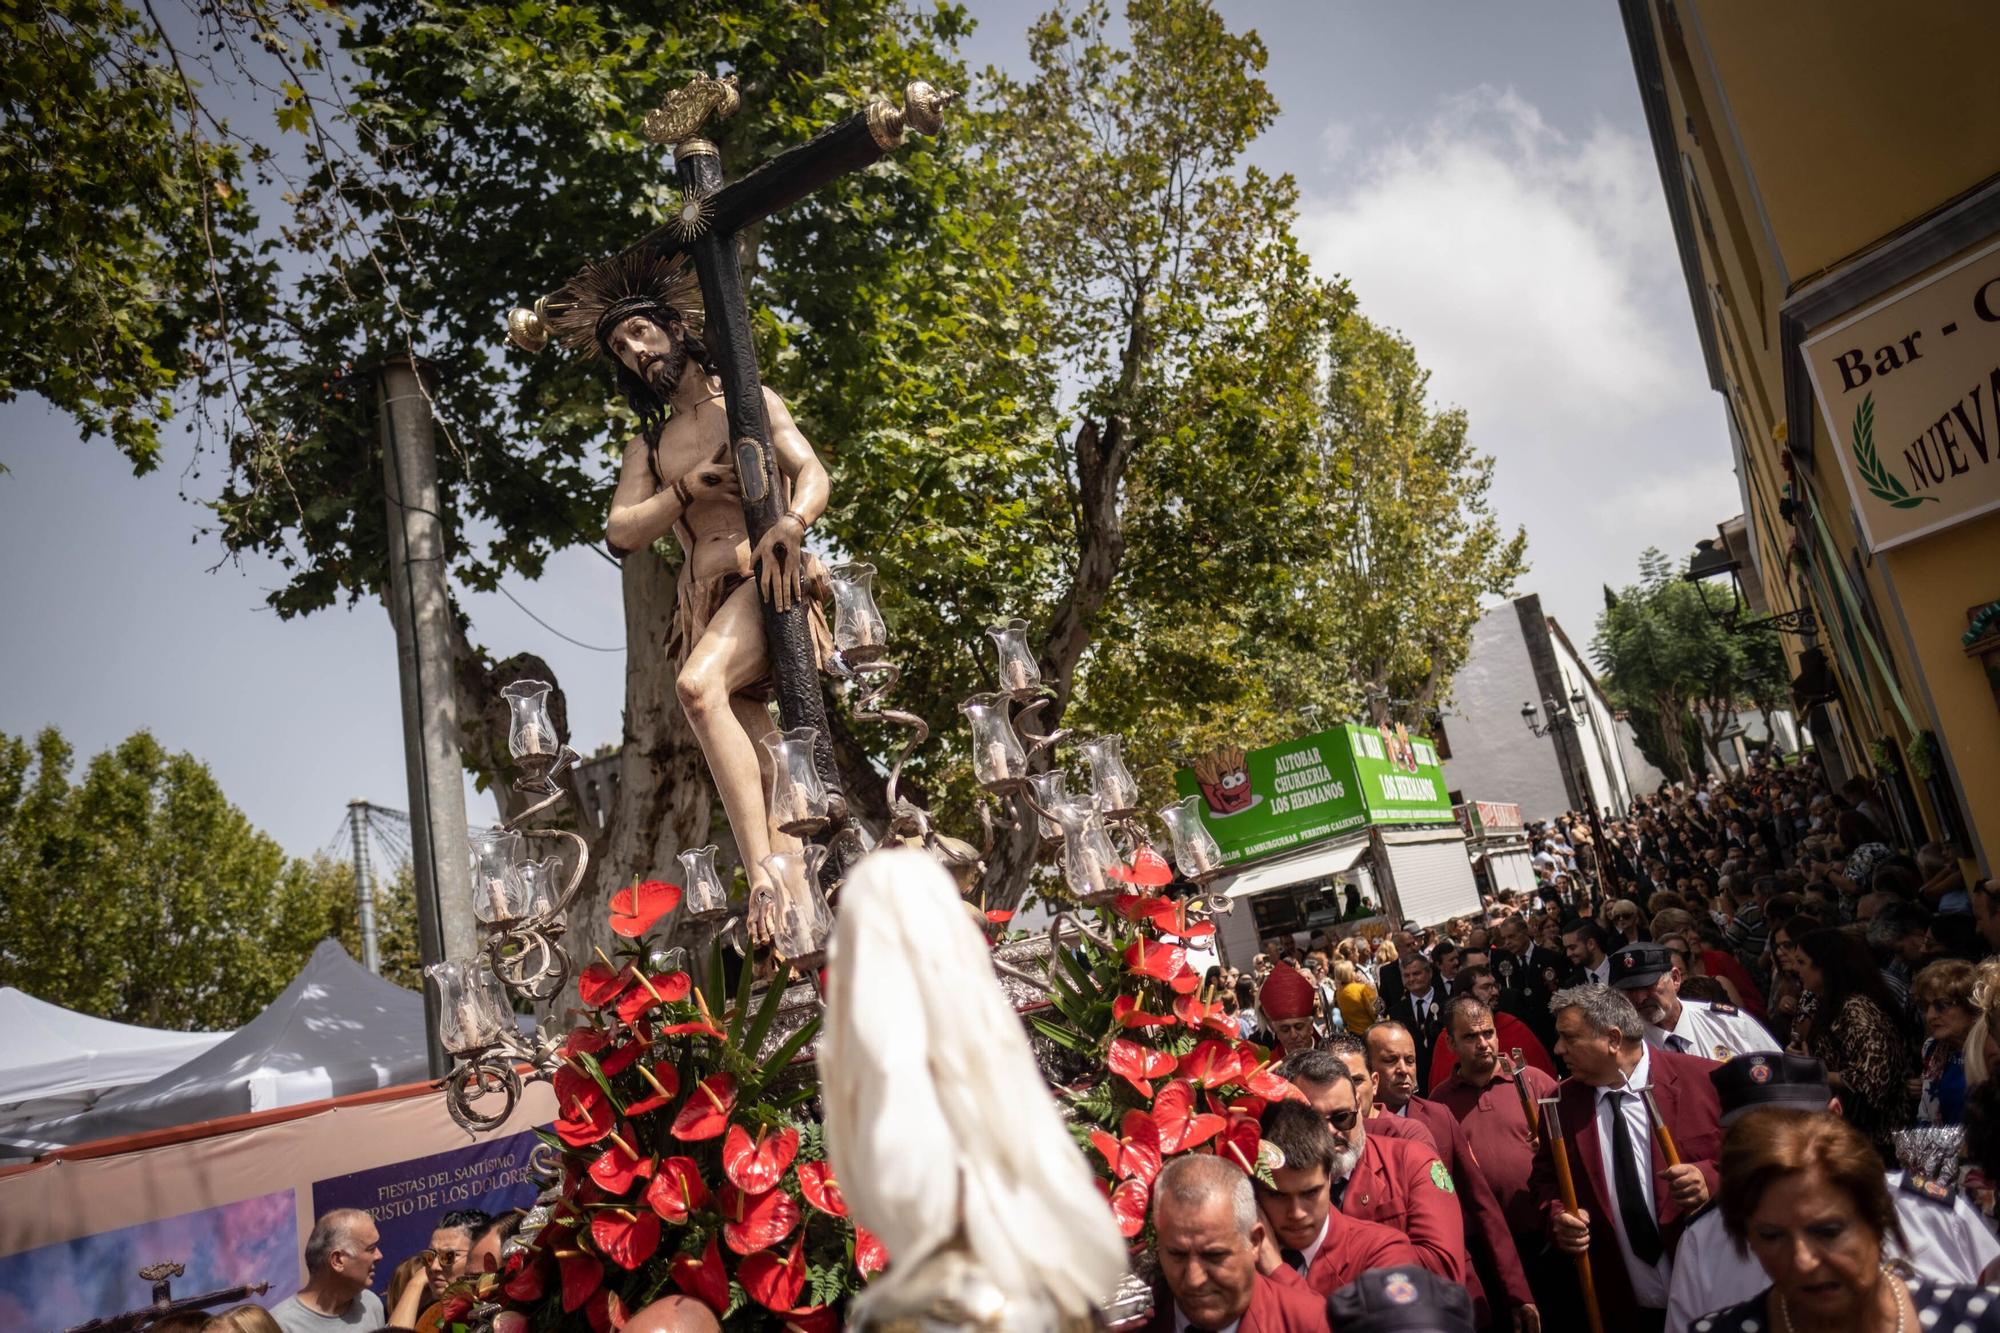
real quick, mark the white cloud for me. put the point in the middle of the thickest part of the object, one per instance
(1336, 141)
(1536, 274)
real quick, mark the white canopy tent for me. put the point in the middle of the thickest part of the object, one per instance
(57, 1062)
(337, 1029)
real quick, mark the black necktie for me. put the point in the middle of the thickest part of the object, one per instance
(1676, 1042)
(1642, 1231)
(1294, 1259)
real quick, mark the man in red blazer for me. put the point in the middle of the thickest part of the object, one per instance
(1310, 1241)
(1494, 1277)
(1208, 1236)
(1400, 1183)
(1632, 1206)
(1515, 1036)
(1353, 1053)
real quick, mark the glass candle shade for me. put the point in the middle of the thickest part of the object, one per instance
(1050, 790)
(473, 1011)
(1196, 853)
(497, 891)
(799, 917)
(998, 761)
(1020, 674)
(704, 897)
(543, 880)
(798, 798)
(1088, 855)
(859, 632)
(530, 733)
(1110, 781)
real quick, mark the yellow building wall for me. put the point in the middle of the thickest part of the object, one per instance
(1809, 131)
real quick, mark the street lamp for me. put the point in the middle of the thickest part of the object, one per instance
(1575, 717)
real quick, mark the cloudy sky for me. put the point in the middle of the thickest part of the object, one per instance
(1480, 174)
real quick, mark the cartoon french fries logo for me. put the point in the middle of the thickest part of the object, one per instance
(1224, 780)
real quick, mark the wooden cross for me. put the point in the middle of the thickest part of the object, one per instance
(711, 215)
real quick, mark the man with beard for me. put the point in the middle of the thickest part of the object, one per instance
(1208, 1236)
(645, 315)
(1346, 1055)
(1495, 1272)
(1583, 941)
(1397, 1182)
(1651, 979)
(1308, 1240)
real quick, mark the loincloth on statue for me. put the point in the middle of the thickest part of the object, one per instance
(701, 600)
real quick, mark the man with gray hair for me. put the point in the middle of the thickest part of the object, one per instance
(1632, 1205)
(1208, 1235)
(340, 1259)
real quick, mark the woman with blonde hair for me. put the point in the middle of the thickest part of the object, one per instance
(1943, 995)
(242, 1319)
(1354, 996)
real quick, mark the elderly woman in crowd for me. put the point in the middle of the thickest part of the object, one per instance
(1943, 992)
(1804, 1194)
(1857, 1034)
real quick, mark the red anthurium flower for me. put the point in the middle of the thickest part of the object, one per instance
(704, 1025)
(775, 1283)
(454, 1307)
(1162, 962)
(660, 988)
(819, 1319)
(1128, 1206)
(1242, 1103)
(999, 916)
(528, 1285)
(1264, 1082)
(605, 1312)
(598, 985)
(1136, 906)
(820, 1189)
(617, 1168)
(1186, 981)
(622, 1056)
(1239, 1142)
(676, 1190)
(755, 1166)
(634, 910)
(1148, 869)
(869, 1255)
(626, 1238)
(585, 1118)
(1190, 1010)
(1211, 1064)
(663, 1081)
(1180, 1126)
(581, 1275)
(753, 1222)
(1135, 1153)
(1137, 1064)
(705, 1278)
(1126, 1011)
(583, 1040)
(706, 1114)
(1171, 918)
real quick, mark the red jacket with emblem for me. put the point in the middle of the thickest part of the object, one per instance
(1275, 1307)
(1404, 1185)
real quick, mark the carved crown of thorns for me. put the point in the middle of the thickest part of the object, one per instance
(641, 281)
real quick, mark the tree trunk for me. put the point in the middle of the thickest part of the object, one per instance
(664, 801)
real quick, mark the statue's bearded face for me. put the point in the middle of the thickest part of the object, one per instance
(656, 353)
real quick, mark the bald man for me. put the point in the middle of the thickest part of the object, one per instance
(673, 1314)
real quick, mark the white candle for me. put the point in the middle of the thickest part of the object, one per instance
(996, 755)
(1198, 854)
(1016, 674)
(531, 739)
(788, 804)
(496, 899)
(471, 1032)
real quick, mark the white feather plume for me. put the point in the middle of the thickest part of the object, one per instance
(937, 1119)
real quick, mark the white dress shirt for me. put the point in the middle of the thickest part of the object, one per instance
(1649, 1281)
(1948, 1243)
(1312, 1251)
(1713, 1032)
(1601, 974)
(1182, 1323)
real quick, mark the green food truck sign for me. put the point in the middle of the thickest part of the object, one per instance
(1259, 803)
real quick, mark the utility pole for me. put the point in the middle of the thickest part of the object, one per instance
(420, 606)
(364, 886)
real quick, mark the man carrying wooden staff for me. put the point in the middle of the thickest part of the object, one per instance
(1628, 1201)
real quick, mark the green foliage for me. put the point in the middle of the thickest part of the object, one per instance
(140, 894)
(1663, 652)
(125, 237)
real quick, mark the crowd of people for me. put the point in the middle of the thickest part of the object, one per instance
(1732, 1070)
(1728, 1070)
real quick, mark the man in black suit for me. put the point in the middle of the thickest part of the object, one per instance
(1420, 1008)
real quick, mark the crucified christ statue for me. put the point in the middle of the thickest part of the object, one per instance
(644, 313)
